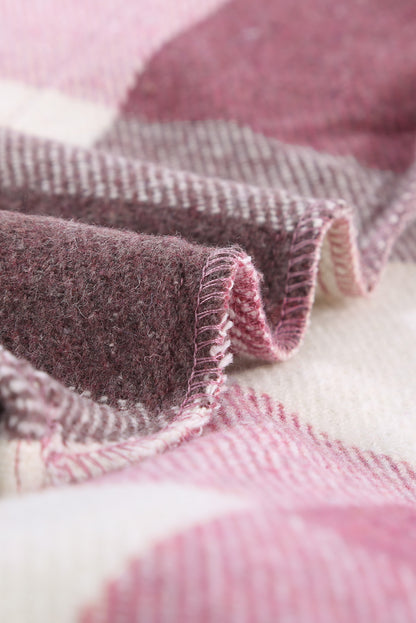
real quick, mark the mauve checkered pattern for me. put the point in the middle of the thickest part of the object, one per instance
(189, 190)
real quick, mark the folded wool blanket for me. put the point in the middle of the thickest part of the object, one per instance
(207, 311)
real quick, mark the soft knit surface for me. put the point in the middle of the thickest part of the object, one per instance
(190, 191)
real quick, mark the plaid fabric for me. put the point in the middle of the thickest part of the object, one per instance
(205, 414)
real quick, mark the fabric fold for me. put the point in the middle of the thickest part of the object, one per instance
(135, 284)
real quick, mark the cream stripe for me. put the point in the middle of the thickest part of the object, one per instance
(54, 561)
(49, 114)
(354, 376)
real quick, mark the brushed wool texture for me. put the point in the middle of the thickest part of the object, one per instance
(207, 311)
(100, 309)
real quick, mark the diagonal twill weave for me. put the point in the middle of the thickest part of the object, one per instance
(207, 311)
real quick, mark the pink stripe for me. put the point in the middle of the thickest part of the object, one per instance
(91, 49)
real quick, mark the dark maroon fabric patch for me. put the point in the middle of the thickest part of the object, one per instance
(143, 325)
(101, 310)
(268, 248)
